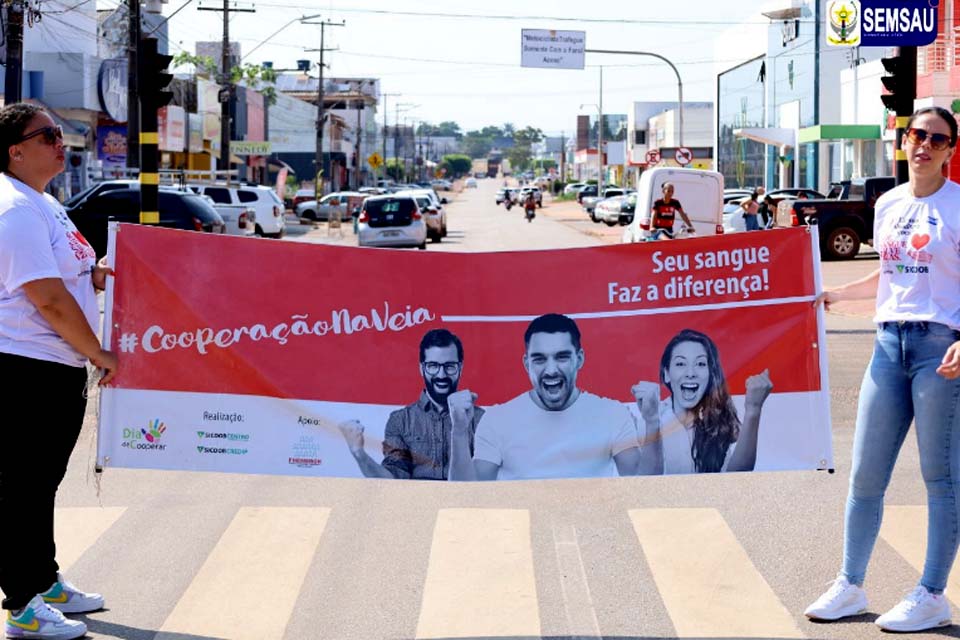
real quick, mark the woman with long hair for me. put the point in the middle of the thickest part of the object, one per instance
(913, 376)
(700, 431)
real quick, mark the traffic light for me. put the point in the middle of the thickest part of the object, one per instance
(902, 81)
(902, 85)
(152, 75)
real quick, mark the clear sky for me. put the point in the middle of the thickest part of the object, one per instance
(465, 65)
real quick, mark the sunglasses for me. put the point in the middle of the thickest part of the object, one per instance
(50, 134)
(938, 141)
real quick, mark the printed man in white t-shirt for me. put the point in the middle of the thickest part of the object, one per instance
(554, 430)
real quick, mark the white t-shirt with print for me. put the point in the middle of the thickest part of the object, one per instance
(578, 442)
(38, 240)
(677, 441)
(919, 244)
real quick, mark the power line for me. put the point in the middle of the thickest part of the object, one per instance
(514, 18)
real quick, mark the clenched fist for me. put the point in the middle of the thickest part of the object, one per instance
(647, 395)
(758, 388)
(461, 406)
(352, 432)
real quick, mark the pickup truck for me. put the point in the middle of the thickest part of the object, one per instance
(844, 217)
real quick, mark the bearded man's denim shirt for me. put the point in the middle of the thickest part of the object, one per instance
(416, 442)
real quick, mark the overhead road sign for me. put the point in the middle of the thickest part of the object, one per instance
(549, 49)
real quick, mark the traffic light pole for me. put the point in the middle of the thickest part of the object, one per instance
(154, 78)
(318, 160)
(133, 102)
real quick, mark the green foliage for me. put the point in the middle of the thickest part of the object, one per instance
(520, 153)
(445, 129)
(394, 169)
(457, 164)
(257, 77)
(476, 145)
(955, 106)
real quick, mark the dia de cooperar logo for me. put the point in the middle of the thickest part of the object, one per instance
(843, 23)
(145, 439)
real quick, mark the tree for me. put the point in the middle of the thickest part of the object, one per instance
(394, 168)
(476, 145)
(521, 151)
(509, 129)
(255, 76)
(456, 164)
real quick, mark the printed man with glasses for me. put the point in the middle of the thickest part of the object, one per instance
(418, 442)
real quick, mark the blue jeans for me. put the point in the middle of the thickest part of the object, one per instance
(901, 385)
(751, 222)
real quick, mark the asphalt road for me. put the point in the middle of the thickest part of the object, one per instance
(201, 556)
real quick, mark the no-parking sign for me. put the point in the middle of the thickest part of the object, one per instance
(683, 156)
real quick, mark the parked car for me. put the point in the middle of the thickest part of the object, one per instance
(589, 203)
(442, 185)
(537, 195)
(433, 214)
(590, 190)
(573, 187)
(502, 195)
(845, 223)
(698, 190)
(238, 219)
(303, 195)
(178, 210)
(391, 221)
(269, 206)
(735, 195)
(337, 201)
(470, 183)
(616, 210)
(100, 187)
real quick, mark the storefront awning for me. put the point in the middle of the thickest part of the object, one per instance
(777, 136)
(839, 132)
(280, 164)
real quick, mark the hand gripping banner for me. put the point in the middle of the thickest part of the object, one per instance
(256, 356)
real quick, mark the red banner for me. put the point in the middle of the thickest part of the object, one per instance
(200, 314)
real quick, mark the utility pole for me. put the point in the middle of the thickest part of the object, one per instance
(133, 92)
(600, 139)
(226, 88)
(318, 160)
(13, 80)
(563, 157)
(386, 130)
(361, 103)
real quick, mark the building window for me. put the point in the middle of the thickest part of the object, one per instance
(639, 137)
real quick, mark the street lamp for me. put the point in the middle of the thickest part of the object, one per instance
(599, 143)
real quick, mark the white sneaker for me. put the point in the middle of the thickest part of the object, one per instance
(842, 599)
(39, 621)
(65, 597)
(918, 611)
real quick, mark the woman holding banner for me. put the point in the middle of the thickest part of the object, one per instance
(700, 431)
(48, 318)
(914, 375)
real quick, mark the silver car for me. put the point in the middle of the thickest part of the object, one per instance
(392, 221)
(310, 210)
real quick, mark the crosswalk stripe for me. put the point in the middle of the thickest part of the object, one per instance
(76, 529)
(905, 529)
(480, 579)
(707, 581)
(249, 583)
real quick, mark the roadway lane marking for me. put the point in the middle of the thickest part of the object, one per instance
(480, 581)
(577, 599)
(905, 529)
(707, 581)
(76, 529)
(249, 583)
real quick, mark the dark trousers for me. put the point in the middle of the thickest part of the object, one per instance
(35, 445)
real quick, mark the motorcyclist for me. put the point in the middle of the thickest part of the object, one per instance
(530, 206)
(507, 199)
(663, 213)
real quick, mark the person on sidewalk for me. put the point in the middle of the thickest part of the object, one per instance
(751, 212)
(913, 376)
(48, 317)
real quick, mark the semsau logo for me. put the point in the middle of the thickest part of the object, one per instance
(898, 23)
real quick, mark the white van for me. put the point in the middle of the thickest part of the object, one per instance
(700, 192)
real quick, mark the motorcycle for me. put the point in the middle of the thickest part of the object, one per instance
(508, 203)
(530, 212)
